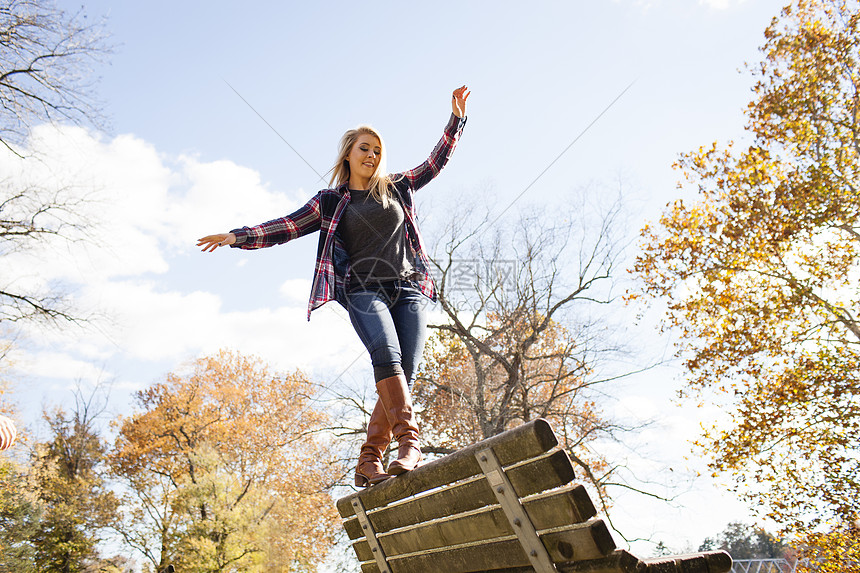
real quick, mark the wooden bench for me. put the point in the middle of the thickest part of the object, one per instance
(502, 505)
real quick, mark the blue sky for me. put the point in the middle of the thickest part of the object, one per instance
(184, 156)
(539, 76)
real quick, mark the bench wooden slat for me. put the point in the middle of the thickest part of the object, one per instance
(529, 478)
(619, 561)
(520, 443)
(546, 512)
(585, 540)
(707, 562)
(665, 566)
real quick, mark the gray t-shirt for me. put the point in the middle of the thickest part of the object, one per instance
(375, 239)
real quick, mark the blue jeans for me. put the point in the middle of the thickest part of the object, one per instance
(391, 321)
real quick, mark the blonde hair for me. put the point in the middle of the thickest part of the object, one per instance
(380, 182)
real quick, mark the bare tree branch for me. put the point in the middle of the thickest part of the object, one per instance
(46, 61)
(44, 56)
(510, 348)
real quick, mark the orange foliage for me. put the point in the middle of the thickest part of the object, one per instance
(761, 273)
(225, 469)
(837, 551)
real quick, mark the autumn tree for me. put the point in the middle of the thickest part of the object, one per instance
(225, 471)
(521, 337)
(759, 273)
(834, 551)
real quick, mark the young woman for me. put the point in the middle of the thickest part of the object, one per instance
(371, 259)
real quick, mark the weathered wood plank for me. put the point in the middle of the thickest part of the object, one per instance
(529, 478)
(572, 501)
(464, 496)
(718, 561)
(590, 540)
(696, 564)
(484, 524)
(619, 561)
(707, 562)
(662, 566)
(520, 443)
(545, 512)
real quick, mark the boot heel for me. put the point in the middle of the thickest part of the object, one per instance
(406, 462)
(364, 481)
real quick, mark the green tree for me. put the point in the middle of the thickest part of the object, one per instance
(660, 550)
(224, 472)
(74, 498)
(743, 541)
(19, 508)
(20, 513)
(760, 274)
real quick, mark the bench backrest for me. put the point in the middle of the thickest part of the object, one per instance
(503, 504)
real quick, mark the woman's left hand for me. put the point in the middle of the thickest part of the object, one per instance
(458, 101)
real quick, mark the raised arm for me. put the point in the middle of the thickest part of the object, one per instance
(424, 173)
(458, 101)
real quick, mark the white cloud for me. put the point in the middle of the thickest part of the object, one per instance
(220, 193)
(145, 206)
(161, 305)
(57, 365)
(721, 4)
(154, 324)
(296, 290)
(643, 5)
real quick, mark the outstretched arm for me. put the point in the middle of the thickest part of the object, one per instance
(297, 224)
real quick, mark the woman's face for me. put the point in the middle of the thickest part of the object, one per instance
(364, 156)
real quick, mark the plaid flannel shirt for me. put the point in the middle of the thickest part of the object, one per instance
(324, 210)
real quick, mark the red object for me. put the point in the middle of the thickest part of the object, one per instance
(8, 433)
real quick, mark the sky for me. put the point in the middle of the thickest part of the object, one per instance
(224, 114)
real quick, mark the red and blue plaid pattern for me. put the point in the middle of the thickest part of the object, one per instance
(324, 210)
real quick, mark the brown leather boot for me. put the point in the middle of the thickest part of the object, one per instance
(395, 396)
(370, 470)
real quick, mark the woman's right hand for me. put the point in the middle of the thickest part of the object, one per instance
(212, 242)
